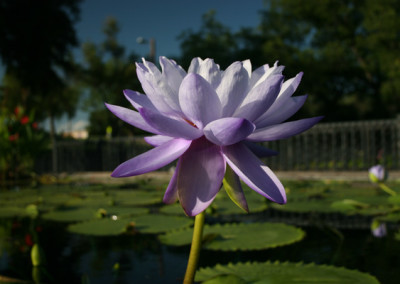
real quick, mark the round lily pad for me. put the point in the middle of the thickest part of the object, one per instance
(153, 224)
(136, 197)
(149, 224)
(225, 206)
(12, 211)
(285, 273)
(100, 227)
(232, 237)
(303, 206)
(173, 209)
(83, 214)
(90, 202)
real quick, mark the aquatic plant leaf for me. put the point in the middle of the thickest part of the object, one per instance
(286, 273)
(100, 227)
(172, 209)
(90, 202)
(302, 206)
(225, 206)
(137, 197)
(225, 279)
(146, 224)
(153, 224)
(233, 237)
(12, 211)
(84, 214)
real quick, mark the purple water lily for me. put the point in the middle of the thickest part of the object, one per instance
(377, 173)
(208, 119)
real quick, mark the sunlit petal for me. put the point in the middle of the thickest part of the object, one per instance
(228, 130)
(283, 130)
(199, 181)
(254, 173)
(152, 159)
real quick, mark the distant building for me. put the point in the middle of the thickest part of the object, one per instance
(76, 134)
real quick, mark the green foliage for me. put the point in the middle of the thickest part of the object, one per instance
(233, 237)
(36, 50)
(285, 273)
(149, 224)
(349, 56)
(87, 213)
(20, 143)
(106, 71)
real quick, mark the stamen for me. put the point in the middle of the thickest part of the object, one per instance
(191, 123)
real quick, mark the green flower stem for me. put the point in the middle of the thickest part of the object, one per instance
(195, 248)
(386, 189)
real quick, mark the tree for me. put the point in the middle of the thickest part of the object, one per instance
(213, 40)
(37, 38)
(348, 50)
(106, 72)
(353, 64)
(36, 42)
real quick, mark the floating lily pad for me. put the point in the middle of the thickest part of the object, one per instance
(226, 206)
(136, 197)
(101, 227)
(232, 237)
(285, 273)
(153, 224)
(226, 279)
(12, 211)
(305, 206)
(173, 209)
(84, 214)
(149, 224)
(90, 201)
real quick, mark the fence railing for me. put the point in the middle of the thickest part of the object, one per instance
(327, 146)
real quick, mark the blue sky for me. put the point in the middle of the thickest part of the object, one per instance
(162, 20)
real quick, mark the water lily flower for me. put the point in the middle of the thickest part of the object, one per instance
(377, 173)
(208, 120)
(378, 229)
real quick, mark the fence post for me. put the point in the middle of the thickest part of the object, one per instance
(397, 137)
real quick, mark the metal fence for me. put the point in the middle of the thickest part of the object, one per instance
(327, 146)
(353, 145)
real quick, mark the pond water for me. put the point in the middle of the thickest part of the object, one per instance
(73, 258)
(135, 257)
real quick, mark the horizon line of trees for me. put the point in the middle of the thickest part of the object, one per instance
(348, 50)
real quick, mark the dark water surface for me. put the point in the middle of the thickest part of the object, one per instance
(140, 258)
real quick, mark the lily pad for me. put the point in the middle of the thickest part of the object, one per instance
(101, 227)
(136, 197)
(90, 201)
(173, 209)
(153, 224)
(84, 214)
(226, 206)
(12, 211)
(305, 206)
(233, 237)
(149, 224)
(286, 273)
